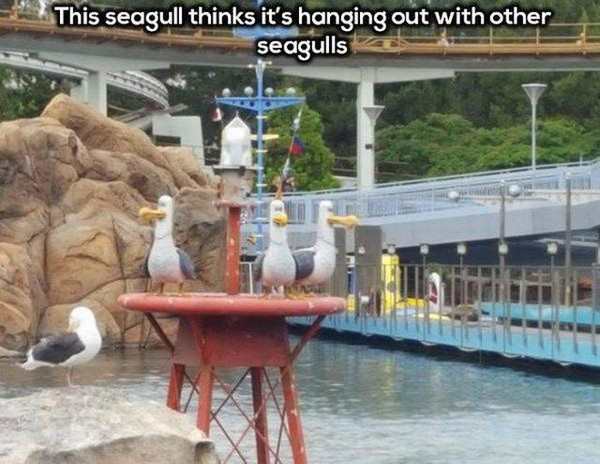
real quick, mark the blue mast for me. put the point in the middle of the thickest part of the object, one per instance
(260, 104)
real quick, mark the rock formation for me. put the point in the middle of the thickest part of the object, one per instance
(91, 425)
(71, 184)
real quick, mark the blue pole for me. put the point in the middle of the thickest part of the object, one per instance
(260, 149)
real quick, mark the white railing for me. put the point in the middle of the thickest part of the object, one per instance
(431, 195)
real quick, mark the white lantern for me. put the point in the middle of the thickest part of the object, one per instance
(236, 144)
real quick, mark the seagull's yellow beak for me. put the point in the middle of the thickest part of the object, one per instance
(280, 219)
(348, 222)
(149, 214)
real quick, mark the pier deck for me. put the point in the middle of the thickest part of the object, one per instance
(487, 335)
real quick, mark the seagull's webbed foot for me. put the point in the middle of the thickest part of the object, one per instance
(69, 377)
(297, 294)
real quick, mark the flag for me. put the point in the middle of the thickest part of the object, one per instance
(297, 147)
(296, 122)
(217, 114)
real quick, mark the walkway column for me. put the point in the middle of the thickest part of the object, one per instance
(96, 91)
(365, 162)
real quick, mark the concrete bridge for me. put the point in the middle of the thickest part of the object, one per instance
(416, 212)
(398, 57)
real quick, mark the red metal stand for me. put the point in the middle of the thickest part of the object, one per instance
(231, 331)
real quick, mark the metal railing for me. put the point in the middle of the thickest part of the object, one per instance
(431, 195)
(549, 313)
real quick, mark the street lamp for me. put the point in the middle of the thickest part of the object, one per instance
(367, 179)
(424, 250)
(461, 250)
(454, 195)
(534, 92)
(568, 237)
(552, 250)
(513, 191)
(263, 102)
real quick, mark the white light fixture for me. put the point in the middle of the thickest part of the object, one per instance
(269, 91)
(515, 190)
(461, 249)
(534, 92)
(454, 196)
(248, 91)
(424, 249)
(391, 249)
(552, 248)
(226, 92)
(361, 250)
(291, 92)
(503, 249)
(373, 112)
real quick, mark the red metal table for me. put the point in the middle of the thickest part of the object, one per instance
(238, 331)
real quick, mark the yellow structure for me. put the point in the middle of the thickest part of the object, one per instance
(391, 294)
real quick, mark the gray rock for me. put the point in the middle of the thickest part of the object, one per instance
(92, 425)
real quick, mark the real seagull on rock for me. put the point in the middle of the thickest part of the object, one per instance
(165, 263)
(276, 268)
(79, 346)
(315, 265)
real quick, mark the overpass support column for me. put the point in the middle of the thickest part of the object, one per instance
(97, 94)
(365, 151)
(92, 91)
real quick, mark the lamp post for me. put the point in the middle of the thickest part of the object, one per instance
(534, 92)
(263, 102)
(366, 172)
(514, 191)
(568, 237)
(461, 250)
(552, 250)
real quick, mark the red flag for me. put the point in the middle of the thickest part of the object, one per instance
(217, 114)
(297, 147)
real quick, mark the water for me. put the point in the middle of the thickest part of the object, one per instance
(389, 407)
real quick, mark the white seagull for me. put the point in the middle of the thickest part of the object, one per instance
(79, 346)
(165, 263)
(276, 268)
(315, 265)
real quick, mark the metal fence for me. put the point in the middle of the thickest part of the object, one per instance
(546, 313)
(431, 195)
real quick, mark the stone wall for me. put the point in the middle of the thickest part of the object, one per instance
(71, 185)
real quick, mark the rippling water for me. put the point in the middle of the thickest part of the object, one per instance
(374, 406)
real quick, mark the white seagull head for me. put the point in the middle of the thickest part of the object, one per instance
(81, 318)
(162, 215)
(328, 219)
(278, 222)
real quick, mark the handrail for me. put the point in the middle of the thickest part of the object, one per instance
(468, 176)
(578, 38)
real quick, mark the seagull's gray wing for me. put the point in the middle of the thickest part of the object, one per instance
(257, 267)
(186, 264)
(58, 349)
(305, 262)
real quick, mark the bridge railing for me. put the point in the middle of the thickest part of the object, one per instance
(432, 196)
(557, 38)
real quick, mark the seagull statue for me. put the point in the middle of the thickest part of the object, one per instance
(165, 263)
(79, 346)
(315, 265)
(276, 268)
